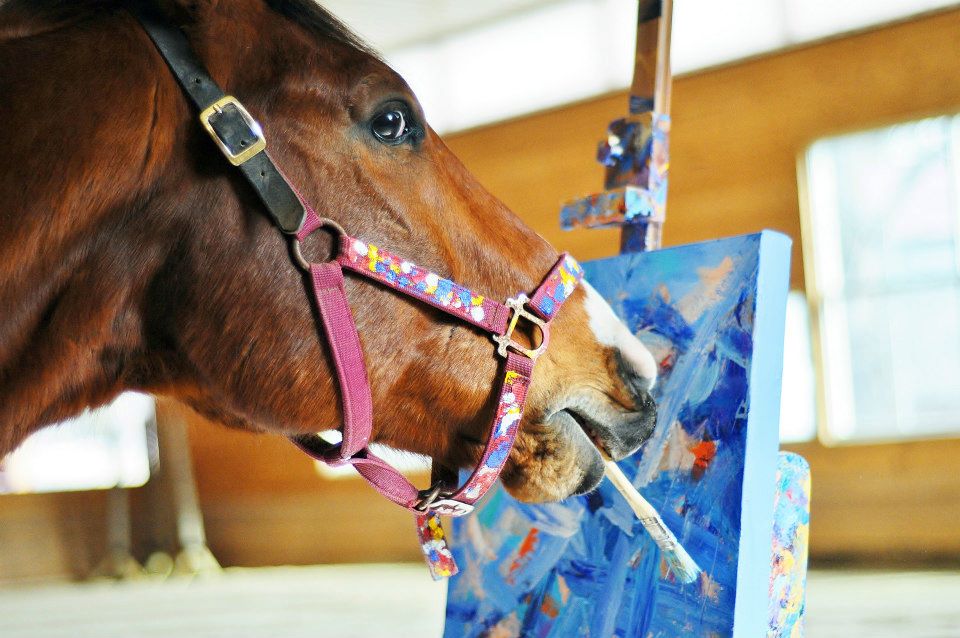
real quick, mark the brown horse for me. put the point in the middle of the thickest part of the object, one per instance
(132, 256)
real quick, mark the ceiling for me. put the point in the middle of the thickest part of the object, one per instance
(472, 62)
(388, 24)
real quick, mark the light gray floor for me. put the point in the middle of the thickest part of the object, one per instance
(883, 604)
(284, 602)
(401, 600)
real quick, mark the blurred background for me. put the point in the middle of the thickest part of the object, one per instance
(835, 123)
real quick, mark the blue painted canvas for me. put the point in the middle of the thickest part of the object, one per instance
(713, 315)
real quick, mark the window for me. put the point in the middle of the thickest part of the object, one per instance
(798, 398)
(99, 449)
(882, 245)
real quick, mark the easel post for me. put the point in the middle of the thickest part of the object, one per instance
(636, 152)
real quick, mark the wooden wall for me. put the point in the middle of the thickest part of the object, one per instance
(737, 133)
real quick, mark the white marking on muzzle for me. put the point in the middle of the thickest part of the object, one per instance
(610, 331)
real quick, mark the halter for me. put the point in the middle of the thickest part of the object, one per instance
(240, 138)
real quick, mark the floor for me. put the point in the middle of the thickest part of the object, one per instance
(883, 604)
(399, 600)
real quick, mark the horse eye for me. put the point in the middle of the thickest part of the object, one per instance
(390, 127)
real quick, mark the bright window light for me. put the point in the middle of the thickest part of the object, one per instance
(99, 449)
(798, 399)
(812, 19)
(706, 32)
(408, 463)
(540, 58)
(884, 216)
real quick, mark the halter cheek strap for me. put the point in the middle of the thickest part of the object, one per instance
(241, 140)
(500, 320)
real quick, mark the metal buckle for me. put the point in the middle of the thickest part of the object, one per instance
(506, 342)
(427, 497)
(434, 499)
(249, 148)
(450, 507)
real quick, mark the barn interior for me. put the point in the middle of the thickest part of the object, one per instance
(838, 125)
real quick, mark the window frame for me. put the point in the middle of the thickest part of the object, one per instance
(825, 435)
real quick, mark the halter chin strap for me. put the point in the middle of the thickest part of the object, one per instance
(240, 138)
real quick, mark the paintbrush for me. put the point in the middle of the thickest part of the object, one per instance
(678, 560)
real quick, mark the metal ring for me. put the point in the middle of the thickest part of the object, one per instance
(298, 255)
(325, 222)
(427, 497)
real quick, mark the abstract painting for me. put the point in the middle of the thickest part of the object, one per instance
(713, 315)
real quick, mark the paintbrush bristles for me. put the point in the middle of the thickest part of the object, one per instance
(682, 564)
(678, 560)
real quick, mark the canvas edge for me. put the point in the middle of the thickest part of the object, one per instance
(763, 437)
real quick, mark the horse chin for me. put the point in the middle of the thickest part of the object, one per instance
(552, 460)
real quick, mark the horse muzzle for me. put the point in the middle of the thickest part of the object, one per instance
(618, 431)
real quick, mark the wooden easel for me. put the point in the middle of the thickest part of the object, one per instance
(636, 152)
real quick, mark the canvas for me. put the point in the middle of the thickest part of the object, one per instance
(713, 315)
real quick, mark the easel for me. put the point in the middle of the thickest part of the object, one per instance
(636, 152)
(713, 314)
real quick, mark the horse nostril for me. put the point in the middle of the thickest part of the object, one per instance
(638, 385)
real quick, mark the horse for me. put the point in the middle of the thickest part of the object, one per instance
(133, 258)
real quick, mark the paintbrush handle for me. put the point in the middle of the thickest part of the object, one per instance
(648, 516)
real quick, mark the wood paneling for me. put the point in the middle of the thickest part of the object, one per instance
(51, 535)
(264, 503)
(885, 504)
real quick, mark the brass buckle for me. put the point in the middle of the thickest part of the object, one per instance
(505, 342)
(236, 157)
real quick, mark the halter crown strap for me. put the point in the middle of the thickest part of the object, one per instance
(238, 136)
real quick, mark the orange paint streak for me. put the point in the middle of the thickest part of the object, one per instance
(549, 607)
(666, 363)
(523, 553)
(704, 453)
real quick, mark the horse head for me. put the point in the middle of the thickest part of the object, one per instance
(133, 258)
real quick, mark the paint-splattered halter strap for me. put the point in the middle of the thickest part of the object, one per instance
(444, 497)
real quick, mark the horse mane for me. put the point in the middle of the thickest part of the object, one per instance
(311, 15)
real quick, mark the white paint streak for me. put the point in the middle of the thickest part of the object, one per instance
(612, 332)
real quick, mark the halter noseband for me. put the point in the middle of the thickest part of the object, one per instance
(241, 140)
